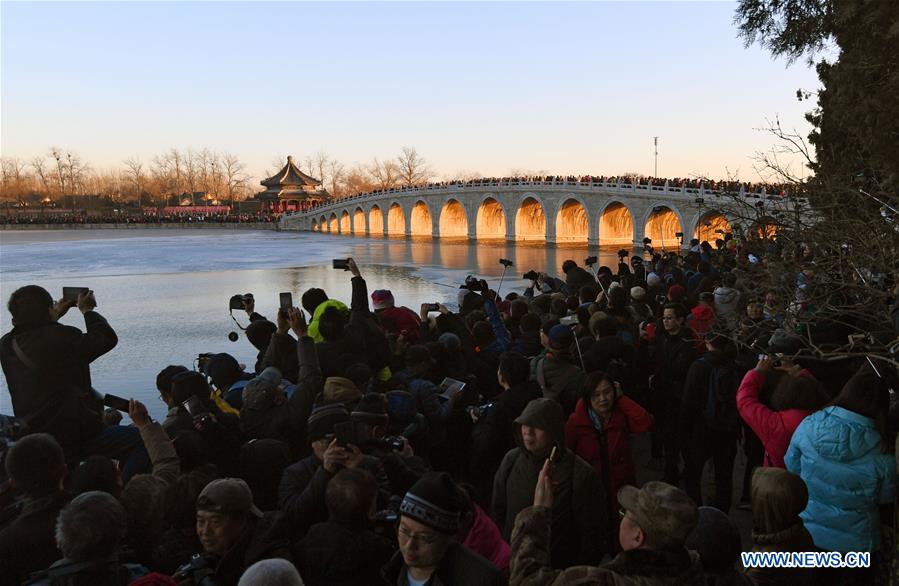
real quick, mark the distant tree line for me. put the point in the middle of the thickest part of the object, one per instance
(57, 174)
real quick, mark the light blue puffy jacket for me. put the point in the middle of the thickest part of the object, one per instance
(837, 453)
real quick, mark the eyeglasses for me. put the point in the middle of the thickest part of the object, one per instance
(622, 513)
(423, 538)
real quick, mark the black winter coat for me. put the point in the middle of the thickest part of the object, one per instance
(51, 389)
(333, 554)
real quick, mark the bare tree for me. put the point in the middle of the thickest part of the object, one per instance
(136, 173)
(412, 168)
(39, 164)
(15, 180)
(357, 180)
(235, 176)
(383, 174)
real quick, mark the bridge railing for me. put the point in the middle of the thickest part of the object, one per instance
(667, 188)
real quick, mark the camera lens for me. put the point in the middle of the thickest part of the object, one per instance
(233, 336)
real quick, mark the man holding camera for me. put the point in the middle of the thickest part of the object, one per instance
(234, 534)
(47, 368)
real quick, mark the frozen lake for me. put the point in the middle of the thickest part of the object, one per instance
(166, 292)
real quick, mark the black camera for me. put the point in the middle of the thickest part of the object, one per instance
(342, 264)
(393, 443)
(472, 283)
(623, 252)
(479, 411)
(238, 301)
(530, 276)
(200, 571)
(591, 260)
(433, 307)
(506, 262)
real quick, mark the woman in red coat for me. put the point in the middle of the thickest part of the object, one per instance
(599, 431)
(797, 395)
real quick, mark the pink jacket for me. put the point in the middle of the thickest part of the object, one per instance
(774, 428)
(484, 539)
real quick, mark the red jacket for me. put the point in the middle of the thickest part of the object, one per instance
(484, 539)
(400, 320)
(581, 437)
(701, 321)
(774, 428)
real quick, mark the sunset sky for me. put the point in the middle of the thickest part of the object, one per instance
(477, 87)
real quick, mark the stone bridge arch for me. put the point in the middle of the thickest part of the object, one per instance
(572, 221)
(661, 222)
(396, 219)
(333, 223)
(705, 225)
(616, 224)
(421, 220)
(345, 222)
(376, 221)
(453, 221)
(531, 219)
(360, 226)
(492, 219)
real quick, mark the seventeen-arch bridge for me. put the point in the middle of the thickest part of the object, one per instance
(551, 211)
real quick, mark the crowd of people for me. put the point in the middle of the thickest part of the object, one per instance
(623, 181)
(490, 444)
(137, 218)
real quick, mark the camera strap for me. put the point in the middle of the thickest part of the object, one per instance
(231, 313)
(22, 357)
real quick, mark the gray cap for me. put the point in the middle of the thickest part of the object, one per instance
(259, 393)
(664, 512)
(227, 495)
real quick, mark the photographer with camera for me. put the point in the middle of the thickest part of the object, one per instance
(228, 379)
(301, 494)
(234, 535)
(342, 335)
(542, 283)
(575, 278)
(281, 352)
(402, 466)
(268, 411)
(47, 368)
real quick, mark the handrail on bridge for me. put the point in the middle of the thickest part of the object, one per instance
(619, 187)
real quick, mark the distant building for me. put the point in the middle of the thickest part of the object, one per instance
(290, 190)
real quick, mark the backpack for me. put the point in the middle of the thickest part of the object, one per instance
(721, 403)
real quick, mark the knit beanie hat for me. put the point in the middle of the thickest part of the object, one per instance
(371, 409)
(638, 293)
(653, 279)
(434, 501)
(561, 337)
(323, 418)
(382, 299)
(717, 541)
